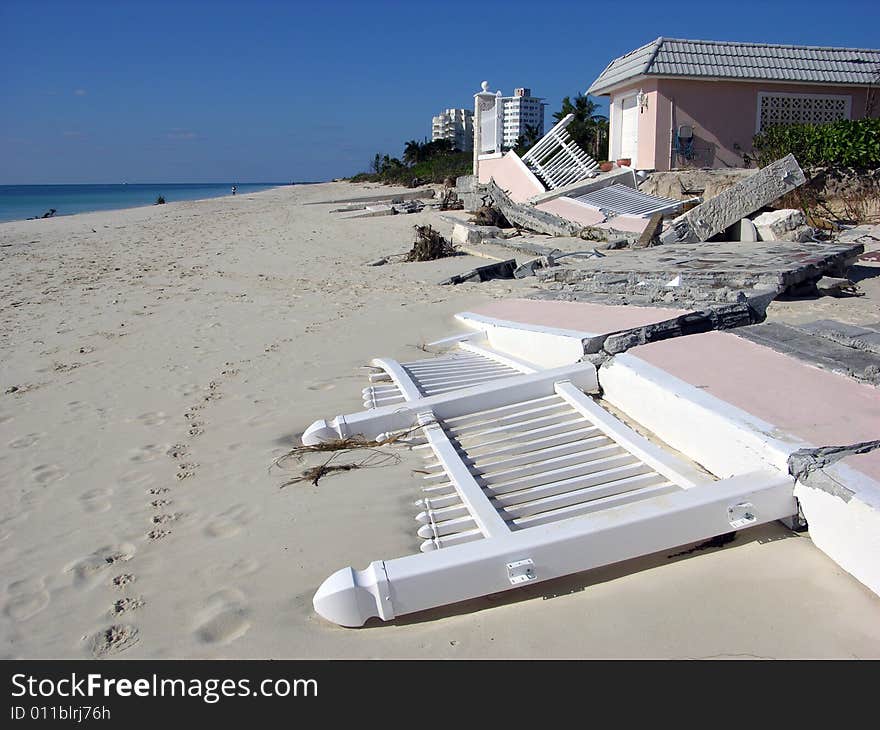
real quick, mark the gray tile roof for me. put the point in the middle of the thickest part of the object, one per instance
(754, 61)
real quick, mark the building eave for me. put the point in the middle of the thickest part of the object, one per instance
(608, 90)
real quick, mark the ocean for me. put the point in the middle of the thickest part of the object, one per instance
(19, 202)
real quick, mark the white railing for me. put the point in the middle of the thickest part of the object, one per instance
(558, 160)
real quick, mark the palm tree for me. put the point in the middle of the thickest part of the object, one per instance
(528, 140)
(588, 129)
(412, 152)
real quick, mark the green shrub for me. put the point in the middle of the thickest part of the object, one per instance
(846, 143)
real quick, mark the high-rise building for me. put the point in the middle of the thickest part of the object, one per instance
(456, 125)
(519, 111)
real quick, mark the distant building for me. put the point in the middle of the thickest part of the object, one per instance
(519, 111)
(456, 125)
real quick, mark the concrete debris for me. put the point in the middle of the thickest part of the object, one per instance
(470, 233)
(651, 234)
(541, 221)
(778, 225)
(737, 202)
(499, 270)
(380, 198)
(806, 466)
(859, 337)
(866, 233)
(816, 350)
(722, 317)
(379, 210)
(837, 287)
(703, 272)
(530, 268)
(688, 183)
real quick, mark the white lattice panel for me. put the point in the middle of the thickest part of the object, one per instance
(774, 109)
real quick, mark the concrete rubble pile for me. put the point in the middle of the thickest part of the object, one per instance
(725, 248)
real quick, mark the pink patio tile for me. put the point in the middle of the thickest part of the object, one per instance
(814, 405)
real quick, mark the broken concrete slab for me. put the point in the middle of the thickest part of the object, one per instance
(721, 317)
(694, 274)
(471, 233)
(859, 337)
(737, 202)
(500, 270)
(529, 217)
(381, 197)
(779, 225)
(817, 351)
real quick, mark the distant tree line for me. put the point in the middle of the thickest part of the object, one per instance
(432, 162)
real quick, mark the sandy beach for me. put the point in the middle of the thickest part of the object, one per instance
(155, 363)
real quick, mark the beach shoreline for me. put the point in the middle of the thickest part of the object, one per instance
(158, 361)
(159, 188)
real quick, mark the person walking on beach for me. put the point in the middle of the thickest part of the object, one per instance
(233, 189)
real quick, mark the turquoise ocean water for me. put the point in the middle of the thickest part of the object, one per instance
(18, 202)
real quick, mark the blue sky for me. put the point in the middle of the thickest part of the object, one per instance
(202, 91)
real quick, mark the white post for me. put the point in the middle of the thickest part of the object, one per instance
(484, 103)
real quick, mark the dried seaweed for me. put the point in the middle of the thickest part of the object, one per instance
(429, 246)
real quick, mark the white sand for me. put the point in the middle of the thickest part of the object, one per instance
(166, 356)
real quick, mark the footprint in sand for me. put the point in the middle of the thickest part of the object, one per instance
(96, 500)
(224, 618)
(22, 442)
(113, 640)
(87, 571)
(231, 522)
(122, 580)
(184, 471)
(177, 451)
(158, 534)
(160, 503)
(124, 605)
(322, 386)
(146, 453)
(46, 474)
(165, 518)
(26, 598)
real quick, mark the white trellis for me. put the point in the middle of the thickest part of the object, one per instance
(558, 160)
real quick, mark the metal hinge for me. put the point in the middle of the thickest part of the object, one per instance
(741, 514)
(521, 571)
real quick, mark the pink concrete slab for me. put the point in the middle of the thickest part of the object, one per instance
(597, 319)
(868, 464)
(814, 405)
(512, 175)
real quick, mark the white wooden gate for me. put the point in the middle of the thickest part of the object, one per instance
(557, 159)
(530, 479)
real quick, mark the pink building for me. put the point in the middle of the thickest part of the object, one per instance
(679, 103)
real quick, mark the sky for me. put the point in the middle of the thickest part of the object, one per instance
(280, 91)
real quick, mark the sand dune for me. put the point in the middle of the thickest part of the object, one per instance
(157, 361)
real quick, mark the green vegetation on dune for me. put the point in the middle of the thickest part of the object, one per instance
(423, 162)
(846, 143)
